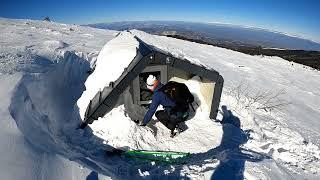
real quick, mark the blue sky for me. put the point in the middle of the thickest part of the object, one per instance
(298, 17)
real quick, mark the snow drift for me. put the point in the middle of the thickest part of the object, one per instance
(28, 49)
(248, 142)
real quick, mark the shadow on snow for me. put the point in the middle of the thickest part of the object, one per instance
(231, 156)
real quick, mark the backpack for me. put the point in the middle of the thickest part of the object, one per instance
(180, 94)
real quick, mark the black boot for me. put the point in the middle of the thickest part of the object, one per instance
(172, 133)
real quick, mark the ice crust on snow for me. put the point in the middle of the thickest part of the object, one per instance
(269, 145)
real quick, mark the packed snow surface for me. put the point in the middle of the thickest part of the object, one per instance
(269, 110)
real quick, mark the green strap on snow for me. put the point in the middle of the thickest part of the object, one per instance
(162, 156)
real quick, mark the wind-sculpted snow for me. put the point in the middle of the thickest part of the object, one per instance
(49, 70)
(44, 108)
(28, 49)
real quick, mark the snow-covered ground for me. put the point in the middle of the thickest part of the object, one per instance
(44, 70)
(32, 48)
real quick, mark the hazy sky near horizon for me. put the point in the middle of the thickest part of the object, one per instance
(297, 17)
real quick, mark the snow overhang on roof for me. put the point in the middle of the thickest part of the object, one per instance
(104, 101)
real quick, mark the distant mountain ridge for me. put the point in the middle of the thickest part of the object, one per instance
(217, 33)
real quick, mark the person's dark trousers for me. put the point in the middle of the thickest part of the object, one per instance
(170, 122)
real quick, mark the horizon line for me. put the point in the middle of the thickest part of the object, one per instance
(200, 22)
(221, 23)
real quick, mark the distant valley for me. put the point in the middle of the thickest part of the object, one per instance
(252, 41)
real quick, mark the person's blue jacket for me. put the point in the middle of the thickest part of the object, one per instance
(158, 98)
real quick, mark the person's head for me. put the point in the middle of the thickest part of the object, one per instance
(152, 82)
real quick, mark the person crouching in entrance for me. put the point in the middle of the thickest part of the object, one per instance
(167, 117)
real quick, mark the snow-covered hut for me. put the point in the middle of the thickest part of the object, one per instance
(130, 86)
